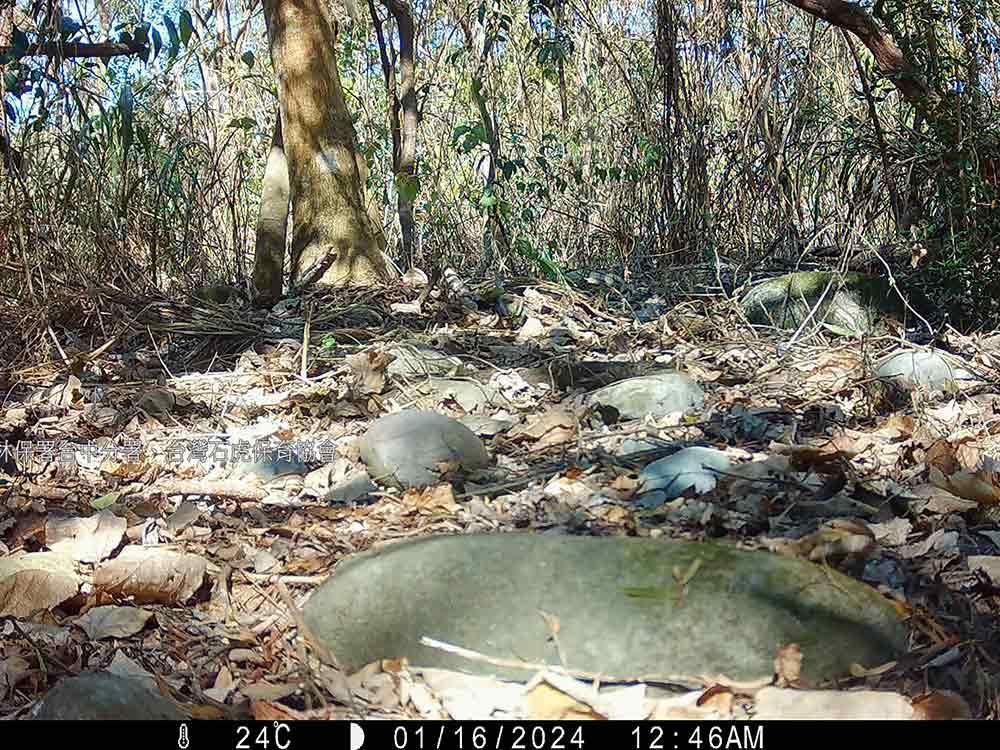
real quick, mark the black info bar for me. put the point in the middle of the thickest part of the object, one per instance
(486, 735)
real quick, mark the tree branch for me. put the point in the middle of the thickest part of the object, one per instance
(103, 50)
(890, 59)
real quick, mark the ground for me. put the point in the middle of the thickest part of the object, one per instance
(895, 488)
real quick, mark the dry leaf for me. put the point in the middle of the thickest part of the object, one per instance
(151, 575)
(13, 669)
(368, 368)
(982, 485)
(554, 427)
(437, 499)
(546, 703)
(111, 621)
(941, 501)
(89, 539)
(33, 582)
(941, 705)
(788, 665)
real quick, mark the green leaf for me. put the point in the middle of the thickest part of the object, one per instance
(243, 123)
(106, 501)
(187, 27)
(408, 186)
(175, 40)
(157, 42)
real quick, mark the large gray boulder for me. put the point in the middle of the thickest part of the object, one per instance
(407, 449)
(620, 608)
(854, 303)
(102, 696)
(655, 395)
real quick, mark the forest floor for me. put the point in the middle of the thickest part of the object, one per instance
(898, 489)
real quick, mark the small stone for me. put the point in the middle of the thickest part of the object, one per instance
(408, 449)
(100, 696)
(641, 445)
(689, 468)
(277, 463)
(486, 426)
(931, 370)
(650, 500)
(355, 486)
(469, 394)
(653, 395)
(418, 361)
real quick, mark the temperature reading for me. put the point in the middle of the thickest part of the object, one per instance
(266, 737)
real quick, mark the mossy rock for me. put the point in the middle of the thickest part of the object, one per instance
(853, 304)
(620, 610)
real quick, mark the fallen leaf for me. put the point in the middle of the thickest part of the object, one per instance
(35, 582)
(554, 427)
(111, 621)
(151, 575)
(437, 499)
(788, 665)
(89, 539)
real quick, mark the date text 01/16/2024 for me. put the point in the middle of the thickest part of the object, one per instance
(496, 735)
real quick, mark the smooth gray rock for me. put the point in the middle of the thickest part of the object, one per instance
(855, 303)
(617, 602)
(355, 486)
(418, 361)
(275, 464)
(642, 445)
(931, 370)
(650, 500)
(656, 395)
(694, 467)
(486, 426)
(405, 449)
(100, 696)
(470, 394)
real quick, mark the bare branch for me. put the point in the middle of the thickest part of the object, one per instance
(102, 50)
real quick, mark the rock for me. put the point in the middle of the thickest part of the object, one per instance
(405, 449)
(855, 303)
(642, 445)
(695, 467)
(931, 370)
(98, 696)
(277, 463)
(355, 486)
(655, 395)
(486, 426)
(469, 394)
(618, 605)
(650, 500)
(418, 361)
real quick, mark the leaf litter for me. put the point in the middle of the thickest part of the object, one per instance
(169, 571)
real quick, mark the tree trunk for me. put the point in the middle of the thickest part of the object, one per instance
(406, 164)
(402, 115)
(333, 241)
(272, 221)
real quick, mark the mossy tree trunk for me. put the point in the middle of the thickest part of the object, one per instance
(333, 241)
